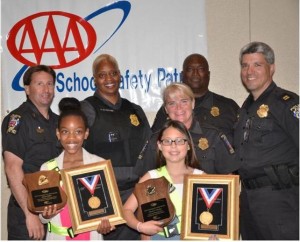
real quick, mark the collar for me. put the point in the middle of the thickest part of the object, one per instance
(195, 127)
(109, 104)
(250, 99)
(36, 112)
(206, 101)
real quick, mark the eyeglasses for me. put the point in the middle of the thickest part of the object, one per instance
(169, 142)
(104, 74)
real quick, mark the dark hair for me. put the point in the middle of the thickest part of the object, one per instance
(191, 159)
(33, 69)
(70, 106)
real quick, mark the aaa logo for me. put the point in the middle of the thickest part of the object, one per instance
(58, 39)
(30, 44)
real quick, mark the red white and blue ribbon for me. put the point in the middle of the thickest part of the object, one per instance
(209, 195)
(90, 182)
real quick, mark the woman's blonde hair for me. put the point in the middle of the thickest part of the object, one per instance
(177, 87)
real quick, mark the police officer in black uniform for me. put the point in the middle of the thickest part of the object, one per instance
(210, 108)
(266, 139)
(213, 150)
(118, 130)
(28, 140)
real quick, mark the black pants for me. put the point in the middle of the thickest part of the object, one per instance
(16, 223)
(267, 214)
(123, 232)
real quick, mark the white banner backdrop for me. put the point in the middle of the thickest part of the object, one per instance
(150, 40)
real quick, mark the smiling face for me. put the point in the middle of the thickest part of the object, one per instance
(41, 89)
(107, 80)
(256, 73)
(179, 106)
(196, 74)
(72, 133)
(175, 153)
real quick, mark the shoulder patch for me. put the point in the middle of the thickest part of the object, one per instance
(13, 123)
(295, 110)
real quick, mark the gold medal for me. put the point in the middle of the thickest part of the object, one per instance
(215, 111)
(263, 110)
(94, 202)
(134, 120)
(206, 217)
(203, 144)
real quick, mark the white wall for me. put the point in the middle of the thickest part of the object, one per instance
(230, 25)
(234, 23)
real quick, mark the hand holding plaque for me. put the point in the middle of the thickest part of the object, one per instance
(154, 201)
(43, 190)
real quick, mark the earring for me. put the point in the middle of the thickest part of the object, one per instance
(188, 148)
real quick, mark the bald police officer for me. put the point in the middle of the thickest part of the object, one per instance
(210, 108)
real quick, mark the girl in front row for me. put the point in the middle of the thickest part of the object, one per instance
(175, 158)
(71, 132)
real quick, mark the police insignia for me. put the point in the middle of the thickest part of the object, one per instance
(263, 110)
(13, 123)
(134, 120)
(40, 130)
(295, 110)
(203, 143)
(286, 97)
(215, 111)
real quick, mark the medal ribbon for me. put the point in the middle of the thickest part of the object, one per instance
(90, 182)
(210, 197)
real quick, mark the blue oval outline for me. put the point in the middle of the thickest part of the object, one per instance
(123, 5)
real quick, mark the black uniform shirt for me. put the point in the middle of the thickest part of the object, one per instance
(213, 150)
(117, 132)
(31, 137)
(267, 132)
(214, 109)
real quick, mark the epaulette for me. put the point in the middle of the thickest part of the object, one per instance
(289, 99)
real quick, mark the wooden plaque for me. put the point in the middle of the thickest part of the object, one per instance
(44, 189)
(154, 201)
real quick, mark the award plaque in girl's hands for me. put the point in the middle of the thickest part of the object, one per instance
(93, 195)
(44, 189)
(154, 201)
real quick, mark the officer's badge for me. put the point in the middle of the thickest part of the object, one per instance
(263, 110)
(295, 110)
(203, 144)
(13, 123)
(134, 120)
(40, 130)
(215, 111)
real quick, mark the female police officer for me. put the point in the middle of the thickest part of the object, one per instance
(213, 150)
